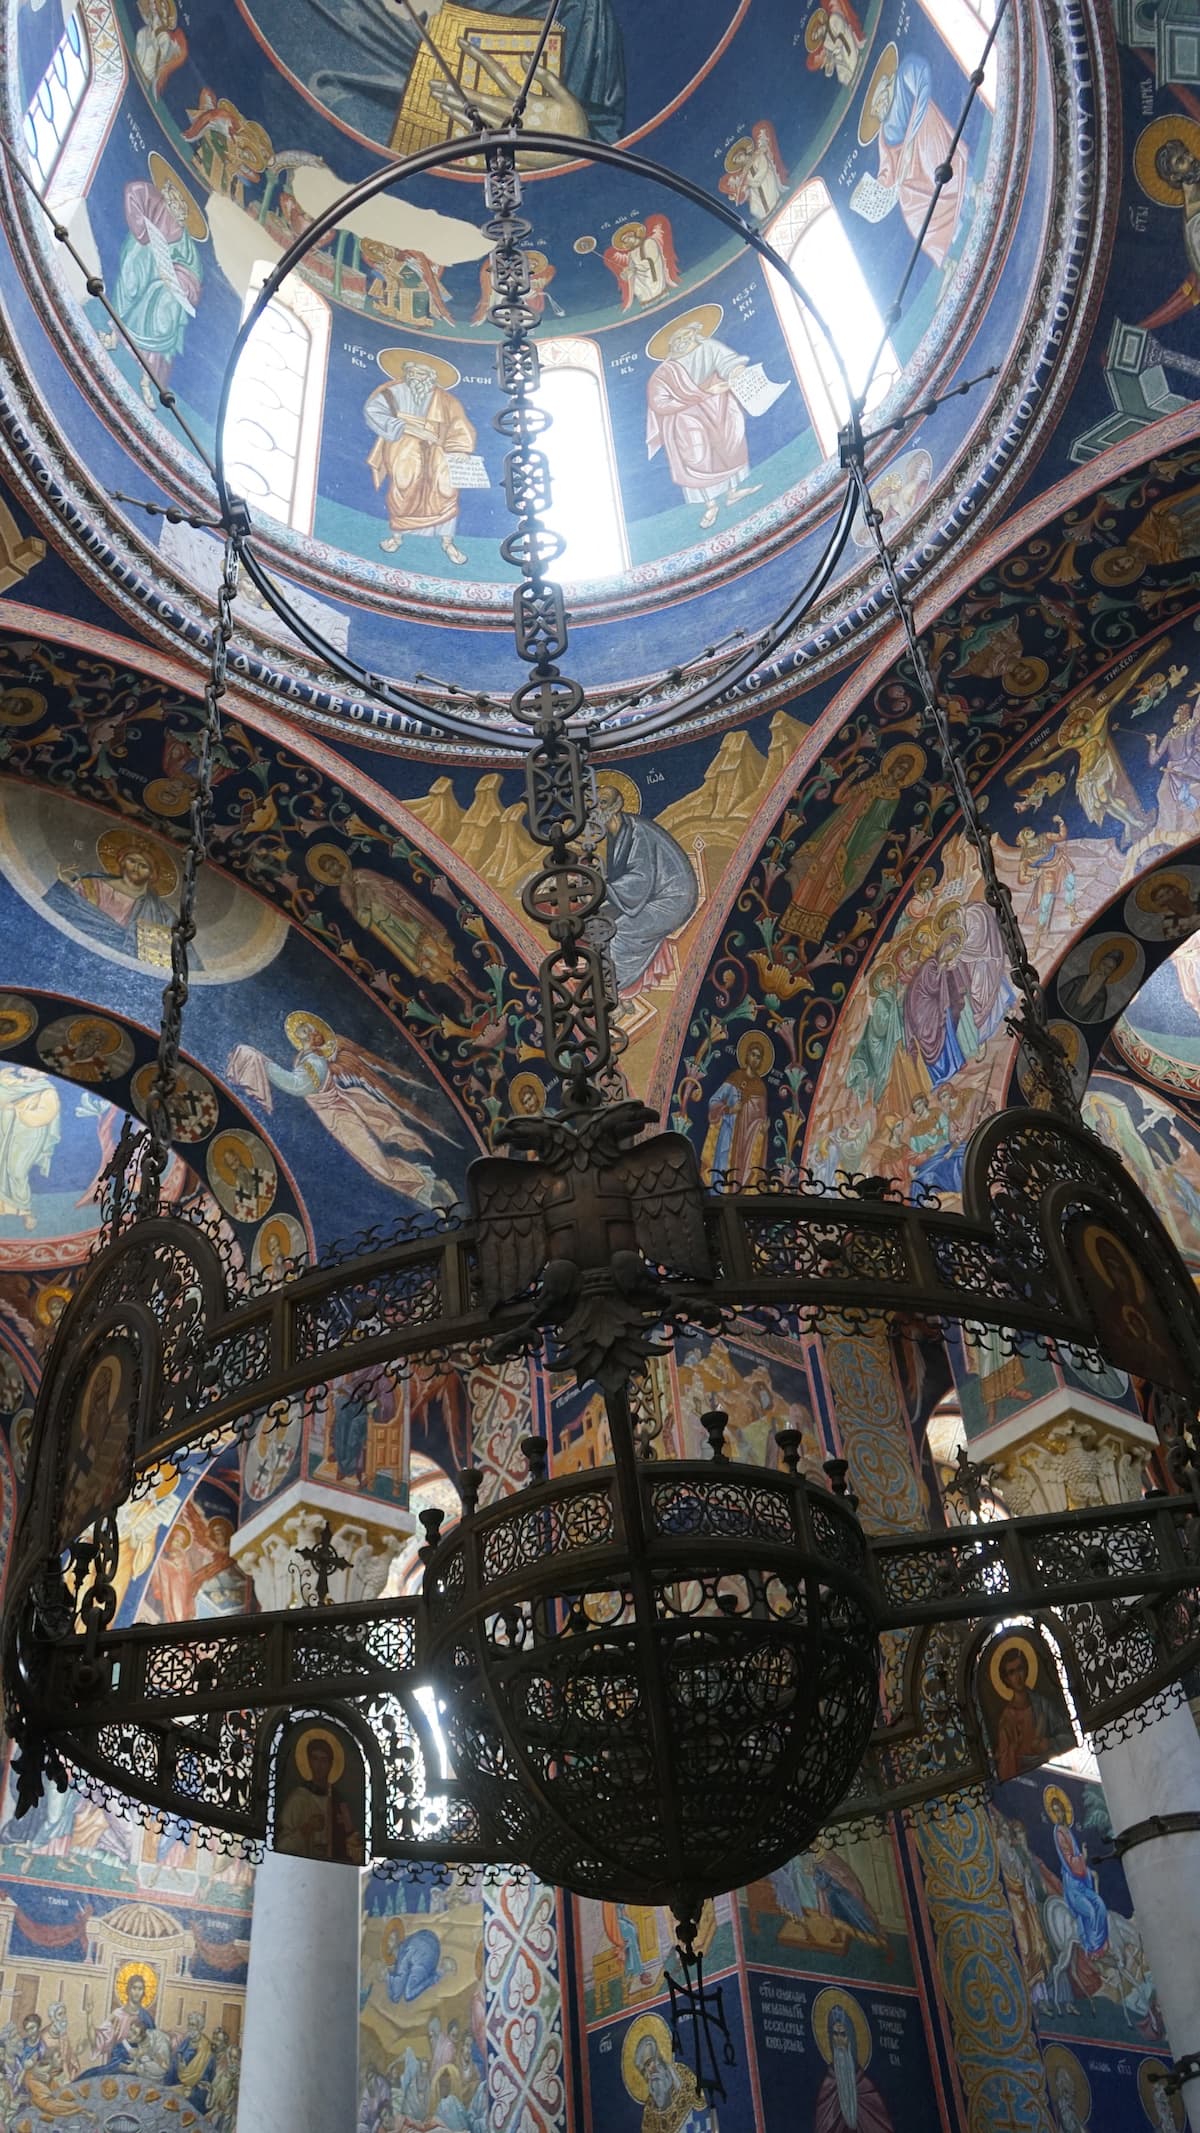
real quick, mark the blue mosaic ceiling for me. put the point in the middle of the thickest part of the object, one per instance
(781, 114)
(801, 954)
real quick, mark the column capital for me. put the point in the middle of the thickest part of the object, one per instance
(1066, 1452)
(369, 1532)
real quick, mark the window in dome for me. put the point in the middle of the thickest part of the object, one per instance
(809, 234)
(76, 101)
(964, 25)
(273, 421)
(585, 487)
(56, 100)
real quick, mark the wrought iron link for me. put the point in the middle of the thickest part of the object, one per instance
(159, 1121)
(567, 896)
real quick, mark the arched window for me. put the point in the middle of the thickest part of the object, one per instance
(70, 112)
(809, 234)
(56, 99)
(964, 26)
(586, 508)
(273, 422)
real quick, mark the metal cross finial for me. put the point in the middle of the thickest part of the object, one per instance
(324, 1559)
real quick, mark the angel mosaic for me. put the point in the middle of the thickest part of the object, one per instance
(755, 172)
(160, 45)
(834, 42)
(642, 260)
(373, 1110)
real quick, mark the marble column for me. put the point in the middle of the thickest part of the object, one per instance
(1152, 1785)
(986, 1995)
(300, 2040)
(1064, 1454)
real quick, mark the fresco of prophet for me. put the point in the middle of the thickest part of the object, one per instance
(652, 888)
(418, 423)
(373, 1111)
(693, 413)
(159, 277)
(642, 259)
(915, 141)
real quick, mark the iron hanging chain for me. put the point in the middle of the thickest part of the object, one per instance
(1030, 1024)
(578, 997)
(159, 1124)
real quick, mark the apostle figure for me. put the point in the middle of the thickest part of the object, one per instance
(160, 46)
(694, 415)
(847, 2102)
(418, 423)
(1179, 785)
(915, 139)
(158, 279)
(882, 1061)
(194, 2062)
(937, 1016)
(652, 887)
(735, 1146)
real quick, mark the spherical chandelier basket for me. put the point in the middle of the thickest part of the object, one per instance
(660, 1677)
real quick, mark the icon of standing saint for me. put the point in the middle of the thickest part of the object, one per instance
(424, 449)
(697, 401)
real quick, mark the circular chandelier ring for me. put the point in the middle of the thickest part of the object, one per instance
(393, 175)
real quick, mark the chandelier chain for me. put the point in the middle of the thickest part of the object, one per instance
(578, 996)
(159, 1122)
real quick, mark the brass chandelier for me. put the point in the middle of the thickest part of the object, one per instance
(656, 1679)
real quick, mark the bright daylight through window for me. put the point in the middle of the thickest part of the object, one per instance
(810, 236)
(57, 99)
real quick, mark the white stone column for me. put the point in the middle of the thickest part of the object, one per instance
(300, 2041)
(300, 2050)
(1150, 1780)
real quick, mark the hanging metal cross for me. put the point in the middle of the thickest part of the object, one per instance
(324, 1559)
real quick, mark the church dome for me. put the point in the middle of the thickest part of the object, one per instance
(698, 409)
